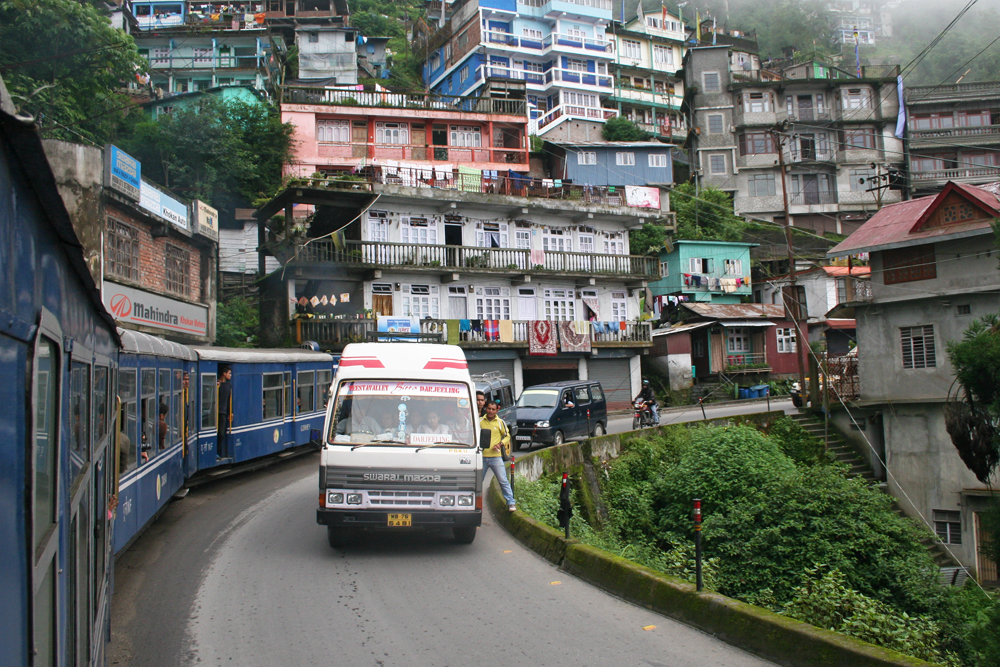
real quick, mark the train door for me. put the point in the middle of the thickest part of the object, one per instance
(288, 434)
(306, 416)
(47, 373)
(189, 420)
(208, 424)
(78, 584)
(103, 476)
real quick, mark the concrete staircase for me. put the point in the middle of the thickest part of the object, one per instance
(951, 572)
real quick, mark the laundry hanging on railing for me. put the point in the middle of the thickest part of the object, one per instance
(492, 329)
(470, 179)
(541, 338)
(537, 258)
(506, 331)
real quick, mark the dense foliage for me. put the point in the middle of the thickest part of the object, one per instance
(621, 128)
(786, 529)
(646, 239)
(215, 151)
(65, 65)
(389, 18)
(236, 323)
(706, 216)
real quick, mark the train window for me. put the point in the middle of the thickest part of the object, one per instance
(45, 619)
(100, 403)
(273, 388)
(208, 395)
(127, 420)
(305, 392)
(324, 382)
(288, 392)
(83, 546)
(46, 437)
(79, 411)
(148, 413)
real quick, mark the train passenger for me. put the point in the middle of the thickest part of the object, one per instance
(163, 428)
(126, 443)
(225, 409)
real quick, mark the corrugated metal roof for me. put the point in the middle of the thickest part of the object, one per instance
(614, 144)
(836, 323)
(142, 343)
(680, 328)
(747, 323)
(892, 226)
(734, 311)
(250, 355)
(842, 270)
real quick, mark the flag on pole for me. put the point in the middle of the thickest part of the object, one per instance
(857, 55)
(639, 13)
(663, 18)
(697, 21)
(901, 116)
(713, 31)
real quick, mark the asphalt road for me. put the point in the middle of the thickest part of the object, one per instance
(238, 573)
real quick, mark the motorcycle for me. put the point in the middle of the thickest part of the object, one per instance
(643, 416)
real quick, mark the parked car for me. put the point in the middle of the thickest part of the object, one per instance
(500, 389)
(554, 412)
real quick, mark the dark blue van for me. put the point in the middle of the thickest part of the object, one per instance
(554, 412)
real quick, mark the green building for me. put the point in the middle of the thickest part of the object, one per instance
(707, 271)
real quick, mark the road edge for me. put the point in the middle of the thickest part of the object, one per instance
(754, 629)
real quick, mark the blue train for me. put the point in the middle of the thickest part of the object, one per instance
(100, 426)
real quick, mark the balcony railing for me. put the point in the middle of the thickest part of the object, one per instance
(955, 132)
(813, 198)
(573, 111)
(955, 174)
(747, 362)
(335, 333)
(596, 4)
(445, 258)
(451, 155)
(764, 75)
(305, 95)
(542, 44)
(842, 373)
(209, 63)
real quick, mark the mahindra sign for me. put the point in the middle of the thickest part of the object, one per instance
(137, 306)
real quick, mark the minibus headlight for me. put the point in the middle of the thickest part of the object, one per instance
(336, 499)
(447, 501)
(465, 501)
(353, 498)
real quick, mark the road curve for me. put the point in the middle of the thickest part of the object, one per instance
(238, 573)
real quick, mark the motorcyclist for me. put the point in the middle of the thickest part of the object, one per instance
(648, 400)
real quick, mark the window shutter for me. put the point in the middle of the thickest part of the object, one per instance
(404, 229)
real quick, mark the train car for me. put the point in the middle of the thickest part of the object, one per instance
(279, 402)
(154, 420)
(58, 360)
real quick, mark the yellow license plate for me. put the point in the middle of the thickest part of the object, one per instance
(400, 520)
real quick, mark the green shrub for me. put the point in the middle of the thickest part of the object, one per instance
(796, 442)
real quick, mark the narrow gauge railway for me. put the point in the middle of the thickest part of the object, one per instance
(102, 426)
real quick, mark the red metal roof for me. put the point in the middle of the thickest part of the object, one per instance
(842, 270)
(736, 311)
(841, 323)
(898, 225)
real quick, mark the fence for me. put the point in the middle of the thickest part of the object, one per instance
(842, 374)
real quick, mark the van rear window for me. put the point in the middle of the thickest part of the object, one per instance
(596, 392)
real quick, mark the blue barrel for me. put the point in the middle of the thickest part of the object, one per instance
(759, 391)
(744, 393)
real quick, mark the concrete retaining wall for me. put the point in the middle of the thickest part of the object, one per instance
(760, 631)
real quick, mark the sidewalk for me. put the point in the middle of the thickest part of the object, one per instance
(713, 404)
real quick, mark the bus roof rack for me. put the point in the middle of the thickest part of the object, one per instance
(391, 337)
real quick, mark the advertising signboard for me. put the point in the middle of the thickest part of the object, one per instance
(206, 220)
(122, 172)
(131, 305)
(161, 204)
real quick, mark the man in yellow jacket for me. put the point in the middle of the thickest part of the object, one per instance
(492, 459)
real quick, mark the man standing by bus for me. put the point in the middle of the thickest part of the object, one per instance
(225, 410)
(492, 457)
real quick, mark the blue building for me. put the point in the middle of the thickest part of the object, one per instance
(709, 271)
(560, 49)
(613, 163)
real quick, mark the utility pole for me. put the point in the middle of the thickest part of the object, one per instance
(800, 348)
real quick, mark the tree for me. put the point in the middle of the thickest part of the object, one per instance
(65, 64)
(215, 151)
(708, 216)
(237, 321)
(620, 128)
(646, 239)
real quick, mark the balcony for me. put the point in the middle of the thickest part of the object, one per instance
(332, 334)
(963, 175)
(361, 152)
(557, 41)
(444, 259)
(570, 111)
(843, 376)
(957, 136)
(747, 362)
(812, 198)
(553, 8)
(352, 98)
(210, 64)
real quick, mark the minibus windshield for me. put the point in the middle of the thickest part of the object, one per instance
(402, 412)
